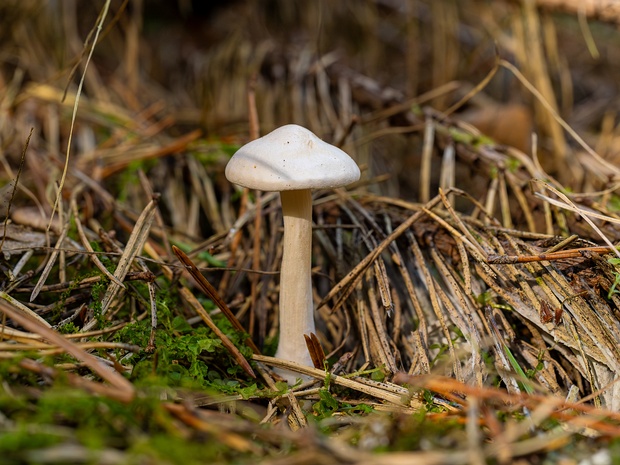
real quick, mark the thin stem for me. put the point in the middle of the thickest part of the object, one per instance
(296, 307)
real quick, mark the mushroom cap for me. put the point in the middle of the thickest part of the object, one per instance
(291, 158)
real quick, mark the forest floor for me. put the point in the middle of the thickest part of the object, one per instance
(466, 288)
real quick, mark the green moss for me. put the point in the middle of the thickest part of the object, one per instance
(614, 203)
(326, 406)
(187, 357)
(26, 437)
(68, 328)
(513, 164)
(142, 430)
(421, 431)
(209, 152)
(97, 292)
(464, 137)
(164, 448)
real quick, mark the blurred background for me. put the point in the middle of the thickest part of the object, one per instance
(169, 76)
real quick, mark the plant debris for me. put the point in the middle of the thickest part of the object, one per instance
(466, 288)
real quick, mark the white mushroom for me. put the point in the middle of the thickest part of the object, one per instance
(292, 161)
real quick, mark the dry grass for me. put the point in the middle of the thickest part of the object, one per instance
(465, 288)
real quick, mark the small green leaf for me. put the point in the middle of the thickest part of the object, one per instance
(516, 367)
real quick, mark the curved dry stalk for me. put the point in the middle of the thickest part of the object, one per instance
(98, 27)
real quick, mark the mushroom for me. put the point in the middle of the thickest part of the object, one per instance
(293, 161)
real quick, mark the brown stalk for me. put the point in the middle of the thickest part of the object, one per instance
(571, 253)
(316, 350)
(85, 242)
(50, 263)
(196, 419)
(175, 146)
(187, 295)
(446, 385)
(134, 246)
(212, 294)
(348, 282)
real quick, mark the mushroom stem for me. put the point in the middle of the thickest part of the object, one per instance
(296, 307)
